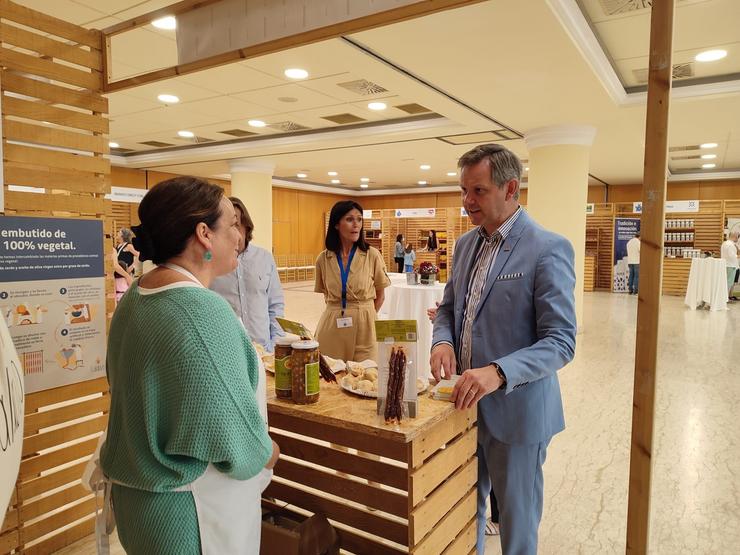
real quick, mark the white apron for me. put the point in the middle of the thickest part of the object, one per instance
(229, 511)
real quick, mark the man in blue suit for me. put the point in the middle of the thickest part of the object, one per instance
(507, 323)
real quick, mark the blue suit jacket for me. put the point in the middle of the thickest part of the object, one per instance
(526, 323)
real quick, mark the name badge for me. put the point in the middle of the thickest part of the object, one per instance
(344, 322)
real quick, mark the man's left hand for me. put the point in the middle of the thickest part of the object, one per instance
(473, 385)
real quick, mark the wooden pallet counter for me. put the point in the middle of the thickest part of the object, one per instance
(675, 275)
(410, 489)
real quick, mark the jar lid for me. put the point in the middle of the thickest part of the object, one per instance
(286, 340)
(305, 344)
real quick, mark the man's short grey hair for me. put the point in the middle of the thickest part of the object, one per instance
(505, 165)
(734, 235)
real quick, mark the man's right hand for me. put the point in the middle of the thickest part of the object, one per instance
(443, 361)
(274, 458)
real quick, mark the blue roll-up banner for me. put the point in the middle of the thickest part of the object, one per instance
(624, 230)
(52, 297)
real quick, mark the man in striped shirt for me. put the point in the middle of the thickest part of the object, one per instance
(507, 323)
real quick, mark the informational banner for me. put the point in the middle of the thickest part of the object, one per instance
(11, 417)
(416, 212)
(590, 208)
(637, 207)
(463, 212)
(624, 230)
(367, 214)
(681, 206)
(52, 297)
(126, 194)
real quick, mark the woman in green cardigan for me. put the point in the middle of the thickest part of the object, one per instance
(187, 450)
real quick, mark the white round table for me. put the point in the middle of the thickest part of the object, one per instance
(410, 302)
(707, 284)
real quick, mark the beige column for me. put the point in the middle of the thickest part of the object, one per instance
(251, 182)
(557, 189)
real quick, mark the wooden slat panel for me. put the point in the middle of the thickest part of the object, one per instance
(61, 116)
(55, 94)
(357, 543)
(52, 158)
(425, 517)
(347, 438)
(34, 65)
(43, 527)
(37, 486)
(11, 520)
(362, 520)
(49, 24)
(52, 417)
(63, 539)
(42, 135)
(35, 465)
(47, 504)
(464, 544)
(20, 174)
(449, 527)
(47, 440)
(330, 482)
(50, 47)
(443, 464)
(372, 470)
(426, 445)
(54, 203)
(35, 401)
(9, 541)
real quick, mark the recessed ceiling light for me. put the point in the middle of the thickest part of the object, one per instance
(364, 185)
(708, 145)
(301, 175)
(256, 123)
(425, 167)
(332, 173)
(526, 169)
(113, 145)
(708, 166)
(186, 134)
(335, 181)
(451, 174)
(287, 99)
(168, 98)
(364, 179)
(710, 55)
(168, 23)
(377, 106)
(708, 156)
(296, 73)
(422, 182)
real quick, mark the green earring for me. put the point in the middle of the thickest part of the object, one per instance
(208, 256)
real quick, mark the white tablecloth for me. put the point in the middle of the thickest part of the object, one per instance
(707, 284)
(397, 278)
(410, 302)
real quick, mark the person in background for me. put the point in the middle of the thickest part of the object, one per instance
(253, 290)
(432, 241)
(729, 255)
(398, 253)
(633, 260)
(187, 453)
(123, 258)
(408, 259)
(351, 275)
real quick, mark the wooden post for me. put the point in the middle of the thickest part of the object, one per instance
(651, 268)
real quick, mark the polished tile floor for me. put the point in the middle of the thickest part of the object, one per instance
(696, 486)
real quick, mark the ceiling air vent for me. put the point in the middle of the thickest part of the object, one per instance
(615, 7)
(363, 87)
(683, 148)
(156, 144)
(120, 150)
(680, 71)
(287, 126)
(342, 119)
(689, 157)
(238, 133)
(483, 137)
(413, 108)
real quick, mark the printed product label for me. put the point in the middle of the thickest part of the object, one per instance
(312, 378)
(282, 374)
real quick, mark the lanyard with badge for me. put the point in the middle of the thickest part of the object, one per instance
(345, 322)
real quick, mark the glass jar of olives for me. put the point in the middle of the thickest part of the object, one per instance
(304, 366)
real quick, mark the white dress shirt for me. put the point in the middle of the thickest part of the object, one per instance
(729, 254)
(633, 251)
(253, 290)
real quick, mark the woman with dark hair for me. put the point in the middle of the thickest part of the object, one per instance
(351, 275)
(123, 262)
(398, 253)
(432, 241)
(187, 448)
(253, 290)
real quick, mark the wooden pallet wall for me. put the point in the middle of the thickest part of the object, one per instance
(54, 133)
(603, 220)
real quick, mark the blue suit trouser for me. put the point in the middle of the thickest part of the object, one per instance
(516, 474)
